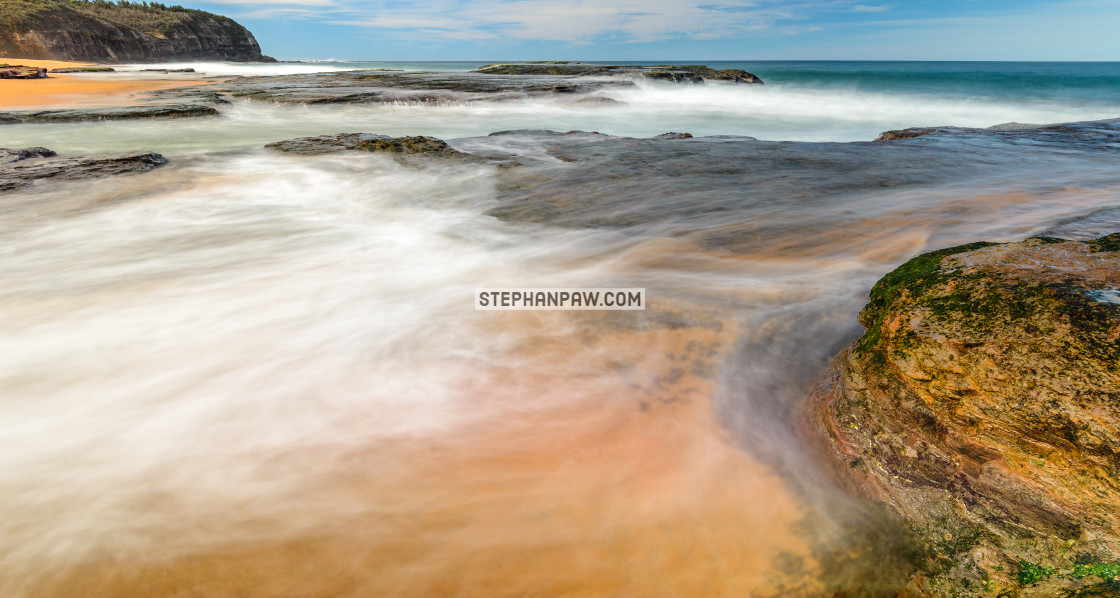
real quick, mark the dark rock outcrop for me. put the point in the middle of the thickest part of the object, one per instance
(366, 142)
(85, 69)
(19, 71)
(903, 134)
(698, 73)
(123, 113)
(568, 83)
(562, 184)
(20, 168)
(126, 32)
(983, 407)
(8, 155)
(692, 73)
(572, 83)
(366, 87)
(1104, 133)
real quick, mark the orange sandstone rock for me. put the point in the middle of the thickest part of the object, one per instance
(983, 406)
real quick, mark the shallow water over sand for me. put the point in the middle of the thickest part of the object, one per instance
(255, 374)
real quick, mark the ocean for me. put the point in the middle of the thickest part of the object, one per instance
(257, 374)
(802, 101)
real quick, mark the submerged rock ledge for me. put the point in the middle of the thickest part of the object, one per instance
(153, 111)
(20, 168)
(983, 406)
(689, 73)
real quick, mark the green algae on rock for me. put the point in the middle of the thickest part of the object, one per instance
(367, 142)
(982, 406)
(85, 69)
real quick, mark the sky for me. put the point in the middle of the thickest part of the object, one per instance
(486, 30)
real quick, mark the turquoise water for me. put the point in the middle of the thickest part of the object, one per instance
(1081, 83)
(1076, 82)
(801, 101)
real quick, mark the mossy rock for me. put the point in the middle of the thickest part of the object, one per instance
(365, 142)
(982, 405)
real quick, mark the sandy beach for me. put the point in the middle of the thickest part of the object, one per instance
(92, 90)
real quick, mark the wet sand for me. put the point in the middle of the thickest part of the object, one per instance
(78, 90)
(632, 490)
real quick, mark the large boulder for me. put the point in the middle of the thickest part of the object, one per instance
(983, 407)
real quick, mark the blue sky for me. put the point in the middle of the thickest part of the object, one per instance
(680, 29)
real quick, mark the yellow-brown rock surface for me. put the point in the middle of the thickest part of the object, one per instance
(983, 406)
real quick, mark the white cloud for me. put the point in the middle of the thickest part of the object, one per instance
(324, 3)
(573, 21)
(795, 29)
(283, 12)
(870, 7)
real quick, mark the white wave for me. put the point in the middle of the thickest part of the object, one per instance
(186, 351)
(783, 112)
(271, 306)
(221, 69)
(771, 112)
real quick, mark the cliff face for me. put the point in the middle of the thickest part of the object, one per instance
(107, 32)
(983, 406)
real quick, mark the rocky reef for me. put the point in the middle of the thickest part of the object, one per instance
(20, 168)
(85, 69)
(691, 73)
(122, 113)
(1104, 131)
(982, 406)
(102, 31)
(576, 84)
(571, 83)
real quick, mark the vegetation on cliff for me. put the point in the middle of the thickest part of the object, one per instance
(983, 407)
(100, 30)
